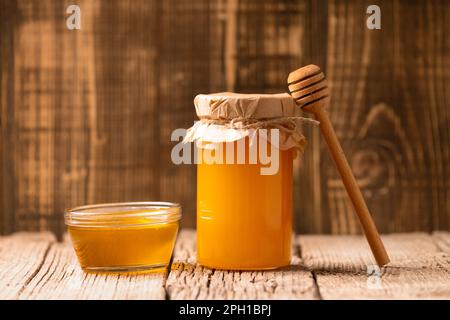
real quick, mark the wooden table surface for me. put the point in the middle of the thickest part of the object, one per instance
(36, 266)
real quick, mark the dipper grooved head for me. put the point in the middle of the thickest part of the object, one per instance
(309, 87)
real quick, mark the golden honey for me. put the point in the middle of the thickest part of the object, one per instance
(132, 237)
(243, 217)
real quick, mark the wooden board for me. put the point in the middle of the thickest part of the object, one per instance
(21, 258)
(343, 267)
(442, 240)
(34, 266)
(188, 280)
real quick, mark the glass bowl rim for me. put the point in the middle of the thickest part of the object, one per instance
(152, 212)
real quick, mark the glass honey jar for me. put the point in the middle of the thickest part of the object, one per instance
(244, 210)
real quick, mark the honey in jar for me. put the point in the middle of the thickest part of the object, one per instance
(244, 217)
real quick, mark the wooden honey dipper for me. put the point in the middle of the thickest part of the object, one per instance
(308, 87)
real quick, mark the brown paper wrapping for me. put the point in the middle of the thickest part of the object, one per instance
(228, 117)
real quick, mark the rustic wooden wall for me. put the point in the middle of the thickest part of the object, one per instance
(86, 115)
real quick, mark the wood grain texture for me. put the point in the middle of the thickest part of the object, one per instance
(188, 280)
(442, 240)
(308, 194)
(44, 120)
(394, 129)
(34, 266)
(60, 277)
(7, 188)
(21, 258)
(419, 269)
(86, 116)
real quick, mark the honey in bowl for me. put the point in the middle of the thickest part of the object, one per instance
(124, 237)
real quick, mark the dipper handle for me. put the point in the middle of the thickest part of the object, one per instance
(351, 186)
(309, 88)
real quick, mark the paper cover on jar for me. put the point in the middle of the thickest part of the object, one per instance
(228, 117)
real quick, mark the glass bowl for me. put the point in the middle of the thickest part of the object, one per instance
(124, 237)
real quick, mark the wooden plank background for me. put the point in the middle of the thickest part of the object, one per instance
(86, 115)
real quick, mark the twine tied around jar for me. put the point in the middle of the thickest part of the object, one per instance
(286, 124)
(289, 135)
